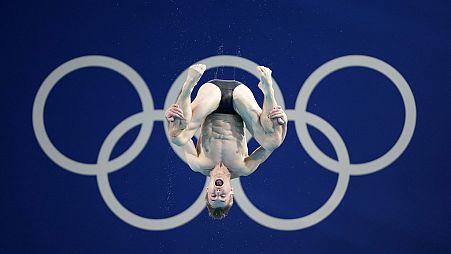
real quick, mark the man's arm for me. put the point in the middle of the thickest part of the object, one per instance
(174, 115)
(196, 164)
(185, 118)
(255, 159)
(268, 126)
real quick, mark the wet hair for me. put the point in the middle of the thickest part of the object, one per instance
(218, 213)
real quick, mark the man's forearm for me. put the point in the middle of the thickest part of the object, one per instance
(271, 141)
(256, 158)
(177, 135)
(174, 129)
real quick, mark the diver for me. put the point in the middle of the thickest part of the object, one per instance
(222, 109)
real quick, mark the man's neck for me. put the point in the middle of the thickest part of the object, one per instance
(222, 172)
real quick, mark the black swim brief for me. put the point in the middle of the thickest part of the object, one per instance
(227, 87)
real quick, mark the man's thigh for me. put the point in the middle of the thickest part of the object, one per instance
(206, 102)
(247, 107)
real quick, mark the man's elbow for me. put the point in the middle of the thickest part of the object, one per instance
(250, 169)
(271, 146)
(178, 141)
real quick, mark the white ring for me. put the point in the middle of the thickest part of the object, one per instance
(326, 209)
(82, 62)
(116, 207)
(146, 118)
(356, 61)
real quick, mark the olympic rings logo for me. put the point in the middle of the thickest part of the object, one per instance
(149, 114)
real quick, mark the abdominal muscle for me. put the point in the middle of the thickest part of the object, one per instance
(222, 140)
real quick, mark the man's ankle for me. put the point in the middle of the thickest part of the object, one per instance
(268, 92)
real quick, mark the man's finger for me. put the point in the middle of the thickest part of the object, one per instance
(169, 116)
(277, 116)
(177, 114)
(179, 110)
(172, 113)
(275, 112)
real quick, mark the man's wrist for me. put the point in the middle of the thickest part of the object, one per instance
(174, 129)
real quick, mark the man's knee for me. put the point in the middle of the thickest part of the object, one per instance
(207, 100)
(207, 88)
(241, 94)
(209, 93)
(244, 101)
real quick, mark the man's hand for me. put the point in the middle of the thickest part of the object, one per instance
(278, 114)
(174, 112)
(176, 120)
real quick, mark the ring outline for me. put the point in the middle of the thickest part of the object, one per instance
(51, 81)
(356, 61)
(345, 168)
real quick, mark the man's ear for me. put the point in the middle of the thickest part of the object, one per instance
(231, 199)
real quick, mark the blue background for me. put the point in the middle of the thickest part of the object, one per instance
(404, 208)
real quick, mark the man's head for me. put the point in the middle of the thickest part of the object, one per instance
(219, 194)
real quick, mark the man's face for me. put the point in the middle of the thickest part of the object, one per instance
(219, 191)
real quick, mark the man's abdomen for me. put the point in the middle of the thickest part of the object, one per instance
(222, 139)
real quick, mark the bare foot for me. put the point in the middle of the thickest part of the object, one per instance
(265, 78)
(194, 73)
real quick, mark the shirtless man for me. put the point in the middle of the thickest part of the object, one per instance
(219, 109)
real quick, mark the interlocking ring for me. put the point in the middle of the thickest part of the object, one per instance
(104, 165)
